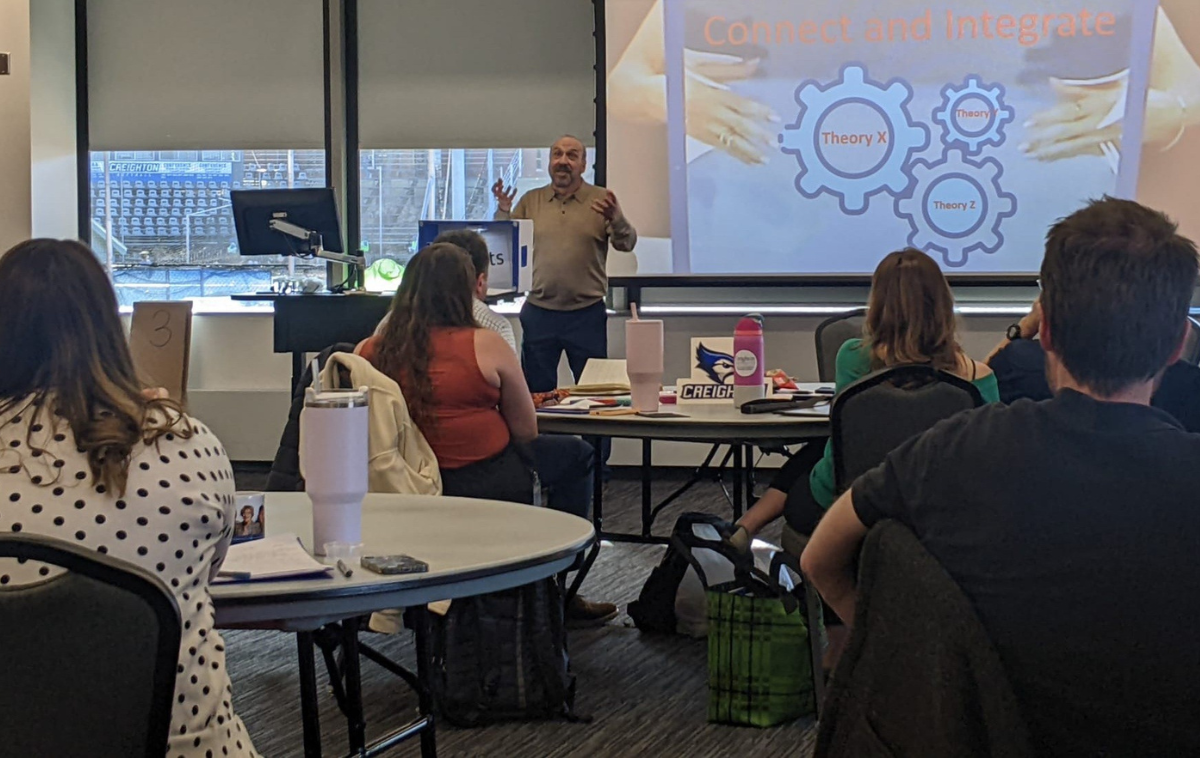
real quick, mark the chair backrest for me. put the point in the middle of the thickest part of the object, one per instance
(1191, 346)
(920, 675)
(874, 415)
(89, 655)
(831, 334)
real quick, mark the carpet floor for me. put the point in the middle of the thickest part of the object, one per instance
(647, 696)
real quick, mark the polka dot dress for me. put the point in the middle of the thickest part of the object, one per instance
(174, 520)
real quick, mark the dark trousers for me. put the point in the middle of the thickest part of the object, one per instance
(545, 334)
(502, 477)
(564, 466)
(801, 511)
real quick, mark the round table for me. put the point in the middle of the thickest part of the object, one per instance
(472, 547)
(715, 424)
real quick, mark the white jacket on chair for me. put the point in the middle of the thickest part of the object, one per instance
(400, 458)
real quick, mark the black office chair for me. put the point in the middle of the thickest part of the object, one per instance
(920, 675)
(831, 334)
(89, 655)
(877, 413)
(1191, 346)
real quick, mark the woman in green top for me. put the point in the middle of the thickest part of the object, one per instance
(910, 319)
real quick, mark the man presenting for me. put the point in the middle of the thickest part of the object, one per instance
(573, 224)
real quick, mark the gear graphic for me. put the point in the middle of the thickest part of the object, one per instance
(803, 139)
(989, 99)
(956, 206)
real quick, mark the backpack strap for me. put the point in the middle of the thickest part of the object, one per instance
(549, 643)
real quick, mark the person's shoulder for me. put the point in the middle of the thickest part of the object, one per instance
(854, 354)
(488, 340)
(988, 425)
(591, 192)
(536, 195)
(368, 348)
(852, 345)
(200, 434)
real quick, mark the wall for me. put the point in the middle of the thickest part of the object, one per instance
(52, 118)
(15, 213)
(240, 388)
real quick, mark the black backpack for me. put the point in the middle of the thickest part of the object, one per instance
(654, 610)
(503, 657)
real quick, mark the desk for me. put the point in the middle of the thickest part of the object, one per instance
(709, 424)
(472, 547)
(311, 323)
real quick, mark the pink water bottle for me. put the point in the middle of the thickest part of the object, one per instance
(749, 381)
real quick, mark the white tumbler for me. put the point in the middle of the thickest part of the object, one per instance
(644, 362)
(333, 462)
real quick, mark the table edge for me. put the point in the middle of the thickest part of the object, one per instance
(408, 582)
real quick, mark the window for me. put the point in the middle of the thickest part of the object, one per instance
(401, 187)
(161, 219)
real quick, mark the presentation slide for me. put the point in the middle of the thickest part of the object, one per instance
(816, 136)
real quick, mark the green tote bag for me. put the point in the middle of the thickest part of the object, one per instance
(759, 659)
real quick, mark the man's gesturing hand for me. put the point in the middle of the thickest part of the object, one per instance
(608, 206)
(504, 196)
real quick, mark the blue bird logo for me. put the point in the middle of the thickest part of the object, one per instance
(718, 366)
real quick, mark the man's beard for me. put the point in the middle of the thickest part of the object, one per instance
(563, 178)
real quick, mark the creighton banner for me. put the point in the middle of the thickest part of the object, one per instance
(711, 380)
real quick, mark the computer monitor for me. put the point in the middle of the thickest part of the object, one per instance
(286, 222)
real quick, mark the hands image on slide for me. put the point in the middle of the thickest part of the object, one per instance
(1089, 116)
(844, 129)
(716, 115)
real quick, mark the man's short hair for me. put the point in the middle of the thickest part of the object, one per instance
(1117, 282)
(473, 243)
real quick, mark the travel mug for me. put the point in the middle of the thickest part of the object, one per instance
(333, 461)
(644, 362)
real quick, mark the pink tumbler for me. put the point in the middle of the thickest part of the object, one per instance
(749, 382)
(333, 461)
(644, 362)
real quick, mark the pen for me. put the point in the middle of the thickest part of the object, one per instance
(237, 576)
(345, 571)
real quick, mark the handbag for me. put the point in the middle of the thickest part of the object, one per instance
(760, 668)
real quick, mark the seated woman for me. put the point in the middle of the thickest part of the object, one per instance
(466, 391)
(910, 319)
(89, 456)
(463, 384)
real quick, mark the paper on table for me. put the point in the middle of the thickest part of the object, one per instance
(820, 410)
(604, 371)
(269, 558)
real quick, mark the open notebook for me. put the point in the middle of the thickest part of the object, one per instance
(278, 557)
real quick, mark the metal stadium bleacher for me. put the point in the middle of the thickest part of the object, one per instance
(172, 234)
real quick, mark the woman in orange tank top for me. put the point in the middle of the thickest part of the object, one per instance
(463, 384)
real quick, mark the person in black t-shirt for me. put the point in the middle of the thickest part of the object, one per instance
(1071, 523)
(1019, 363)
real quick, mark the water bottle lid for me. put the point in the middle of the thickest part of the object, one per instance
(335, 398)
(751, 321)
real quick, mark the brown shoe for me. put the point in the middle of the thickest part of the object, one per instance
(581, 614)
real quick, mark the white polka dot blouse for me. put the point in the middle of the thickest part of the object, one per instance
(174, 520)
